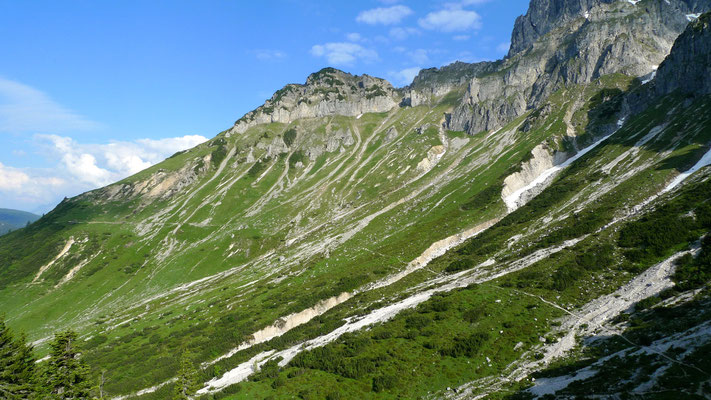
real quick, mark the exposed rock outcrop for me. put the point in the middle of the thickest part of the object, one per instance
(161, 184)
(687, 69)
(560, 43)
(327, 92)
(542, 159)
(433, 83)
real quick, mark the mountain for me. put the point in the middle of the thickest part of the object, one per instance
(15, 219)
(535, 226)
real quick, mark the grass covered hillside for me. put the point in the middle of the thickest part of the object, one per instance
(341, 242)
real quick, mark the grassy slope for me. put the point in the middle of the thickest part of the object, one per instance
(426, 350)
(136, 316)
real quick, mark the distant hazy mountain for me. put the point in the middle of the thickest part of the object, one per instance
(14, 219)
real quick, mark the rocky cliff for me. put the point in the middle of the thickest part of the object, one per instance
(688, 67)
(563, 43)
(327, 92)
(432, 83)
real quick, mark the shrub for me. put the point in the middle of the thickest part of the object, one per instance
(290, 137)
(384, 382)
(474, 314)
(566, 276)
(218, 155)
(417, 321)
(466, 347)
(459, 265)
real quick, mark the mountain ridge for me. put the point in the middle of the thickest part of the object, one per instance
(323, 256)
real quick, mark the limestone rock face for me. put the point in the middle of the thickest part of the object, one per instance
(327, 92)
(567, 42)
(338, 138)
(686, 70)
(688, 67)
(543, 16)
(433, 83)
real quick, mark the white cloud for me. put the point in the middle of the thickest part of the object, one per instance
(503, 48)
(344, 53)
(461, 37)
(26, 109)
(399, 33)
(269, 55)
(420, 56)
(384, 15)
(405, 76)
(75, 167)
(354, 37)
(11, 178)
(79, 167)
(102, 164)
(451, 20)
(26, 189)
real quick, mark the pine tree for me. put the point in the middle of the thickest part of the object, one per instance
(66, 376)
(187, 383)
(16, 365)
(24, 367)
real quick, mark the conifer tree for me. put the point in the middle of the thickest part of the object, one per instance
(66, 376)
(16, 366)
(25, 367)
(187, 384)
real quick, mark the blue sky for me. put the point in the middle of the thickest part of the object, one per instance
(93, 91)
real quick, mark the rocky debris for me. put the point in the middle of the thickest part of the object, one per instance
(542, 158)
(161, 184)
(422, 128)
(434, 154)
(561, 43)
(276, 147)
(314, 151)
(390, 135)
(338, 138)
(250, 156)
(327, 92)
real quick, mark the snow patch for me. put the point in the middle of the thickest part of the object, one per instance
(518, 197)
(650, 76)
(704, 161)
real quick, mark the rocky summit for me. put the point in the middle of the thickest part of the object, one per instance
(532, 227)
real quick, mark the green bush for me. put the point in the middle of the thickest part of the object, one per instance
(290, 137)
(566, 276)
(218, 155)
(459, 265)
(693, 272)
(384, 382)
(466, 347)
